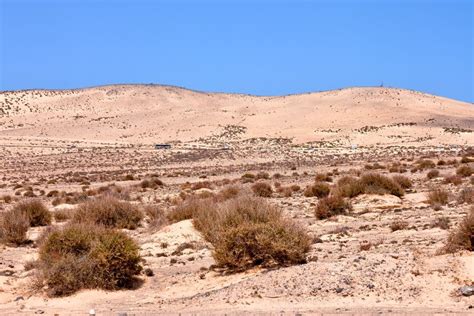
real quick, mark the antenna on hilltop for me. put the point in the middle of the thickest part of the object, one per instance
(381, 85)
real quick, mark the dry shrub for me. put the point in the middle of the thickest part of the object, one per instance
(63, 215)
(332, 205)
(318, 189)
(156, 216)
(295, 188)
(438, 196)
(248, 175)
(37, 213)
(464, 171)
(323, 177)
(228, 192)
(466, 196)
(403, 181)
(14, 225)
(432, 174)
(285, 191)
(85, 257)
(441, 222)
(188, 209)
(262, 189)
(425, 164)
(466, 159)
(201, 185)
(247, 231)
(263, 175)
(7, 198)
(109, 212)
(462, 238)
(398, 225)
(151, 183)
(374, 183)
(350, 187)
(453, 179)
(374, 166)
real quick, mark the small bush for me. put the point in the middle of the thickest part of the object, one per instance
(441, 222)
(323, 177)
(228, 192)
(350, 187)
(109, 212)
(398, 225)
(14, 225)
(247, 231)
(466, 196)
(63, 215)
(438, 196)
(34, 209)
(332, 205)
(84, 256)
(156, 216)
(374, 183)
(425, 164)
(453, 179)
(262, 189)
(188, 209)
(464, 171)
(432, 174)
(318, 189)
(462, 238)
(263, 175)
(152, 183)
(403, 181)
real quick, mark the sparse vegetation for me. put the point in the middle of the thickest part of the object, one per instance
(36, 212)
(464, 171)
(14, 225)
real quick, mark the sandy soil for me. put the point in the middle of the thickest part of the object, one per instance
(84, 139)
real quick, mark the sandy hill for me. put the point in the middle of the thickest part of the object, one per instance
(149, 114)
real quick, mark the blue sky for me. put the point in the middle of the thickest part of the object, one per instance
(258, 47)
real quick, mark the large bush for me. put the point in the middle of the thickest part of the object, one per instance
(248, 231)
(109, 212)
(87, 256)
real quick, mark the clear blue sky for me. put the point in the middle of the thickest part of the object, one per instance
(258, 47)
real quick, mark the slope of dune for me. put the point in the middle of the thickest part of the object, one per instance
(142, 114)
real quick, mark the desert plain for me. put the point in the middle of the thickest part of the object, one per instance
(384, 253)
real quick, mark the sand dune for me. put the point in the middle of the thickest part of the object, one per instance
(146, 114)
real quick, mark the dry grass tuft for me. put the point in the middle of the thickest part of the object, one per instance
(87, 256)
(109, 212)
(188, 209)
(466, 196)
(432, 174)
(398, 225)
(156, 216)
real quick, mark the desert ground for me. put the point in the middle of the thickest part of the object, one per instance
(385, 253)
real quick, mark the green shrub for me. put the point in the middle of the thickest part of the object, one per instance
(109, 212)
(87, 256)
